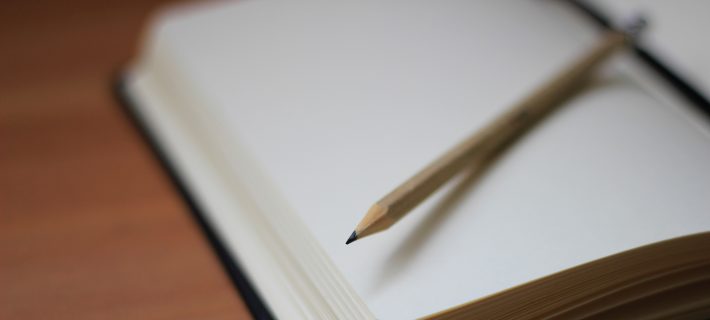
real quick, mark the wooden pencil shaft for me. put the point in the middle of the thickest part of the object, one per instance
(492, 139)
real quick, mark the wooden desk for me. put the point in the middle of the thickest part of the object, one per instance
(90, 226)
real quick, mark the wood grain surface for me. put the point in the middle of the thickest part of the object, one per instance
(90, 226)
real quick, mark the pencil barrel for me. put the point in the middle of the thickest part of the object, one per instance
(501, 133)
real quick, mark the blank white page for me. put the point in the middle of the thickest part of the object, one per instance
(340, 101)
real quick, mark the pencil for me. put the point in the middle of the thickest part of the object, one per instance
(490, 140)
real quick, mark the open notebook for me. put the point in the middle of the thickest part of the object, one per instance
(287, 119)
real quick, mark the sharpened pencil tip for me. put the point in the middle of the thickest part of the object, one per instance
(352, 238)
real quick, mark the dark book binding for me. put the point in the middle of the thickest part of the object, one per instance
(254, 302)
